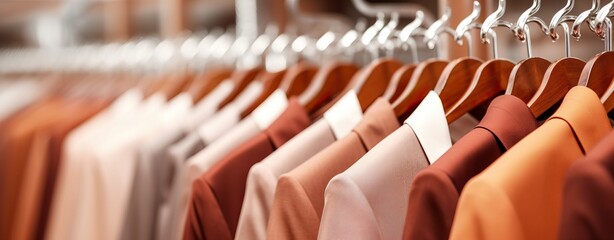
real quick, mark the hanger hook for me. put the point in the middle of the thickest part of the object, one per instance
(602, 18)
(524, 18)
(406, 34)
(430, 36)
(557, 19)
(491, 20)
(464, 25)
(584, 17)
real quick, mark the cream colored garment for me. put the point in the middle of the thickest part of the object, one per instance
(110, 163)
(75, 160)
(262, 177)
(369, 199)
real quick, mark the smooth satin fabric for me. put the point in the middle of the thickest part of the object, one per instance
(520, 195)
(435, 190)
(299, 196)
(588, 212)
(263, 176)
(217, 196)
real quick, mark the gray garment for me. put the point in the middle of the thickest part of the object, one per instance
(179, 153)
(149, 187)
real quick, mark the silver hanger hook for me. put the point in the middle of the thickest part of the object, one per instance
(471, 22)
(584, 17)
(491, 20)
(557, 19)
(466, 23)
(406, 34)
(602, 18)
(431, 36)
(524, 19)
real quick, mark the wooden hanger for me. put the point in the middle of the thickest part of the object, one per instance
(372, 81)
(207, 81)
(455, 80)
(327, 84)
(298, 78)
(608, 98)
(175, 83)
(271, 81)
(399, 82)
(240, 79)
(526, 78)
(560, 76)
(597, 73)
(490, 80)
(423, 80)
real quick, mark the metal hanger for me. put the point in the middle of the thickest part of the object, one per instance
(457, 76)
(491, 77)
(405, 40)
(597, 74)
(561, 75)
(585, 17)
(424, 76)
(526, 76)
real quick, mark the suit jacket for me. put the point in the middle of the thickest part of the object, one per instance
(369, 199)
(217, 196)
(262, 177)
(299, 196)
(588, 212)
(520, 195)
(434, 193)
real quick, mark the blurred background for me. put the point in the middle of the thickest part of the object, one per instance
(63, 23)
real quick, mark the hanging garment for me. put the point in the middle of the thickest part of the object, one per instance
(299, 196)
(520, 195)
(39, 180)
(16, 96)
(74, 162)
(217, 196)
(588, 212)
(262, 177)
(201, 163)
(435, 190)
(369, 199)
(18, 132)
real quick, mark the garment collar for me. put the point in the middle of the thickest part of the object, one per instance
(378, 121)
(583, 111)
(509, 119)
(429, 124)
(291, 121)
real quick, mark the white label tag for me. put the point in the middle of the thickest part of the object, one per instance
(270, 109)
(344, 115)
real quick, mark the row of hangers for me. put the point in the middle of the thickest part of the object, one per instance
(463, 84)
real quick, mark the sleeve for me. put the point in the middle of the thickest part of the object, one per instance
(588, 212)
(292, 215)
(347, 213)
(204, 220)
(257, 203)
(432, 202)
(484, 212)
